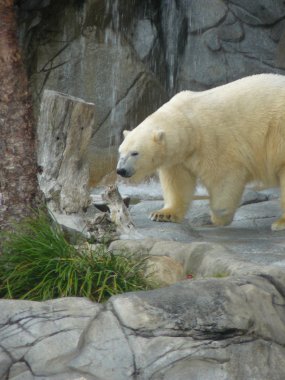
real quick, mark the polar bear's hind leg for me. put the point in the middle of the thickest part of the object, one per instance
(279, 225)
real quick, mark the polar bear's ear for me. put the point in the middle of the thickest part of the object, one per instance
(125, 133)
(158, 136)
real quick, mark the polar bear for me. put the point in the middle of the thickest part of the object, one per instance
(224, 137)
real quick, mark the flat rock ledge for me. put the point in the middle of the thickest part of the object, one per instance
(224, 321)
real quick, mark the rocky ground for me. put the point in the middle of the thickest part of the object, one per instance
(222, 318)
(249, 236)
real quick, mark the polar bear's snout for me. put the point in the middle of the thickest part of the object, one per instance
(122, 172)
(124, 169)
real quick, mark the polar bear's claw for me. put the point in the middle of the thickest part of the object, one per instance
(164, 215)
(279, 225)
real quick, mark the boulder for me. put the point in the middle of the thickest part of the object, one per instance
(164, 270)
(204, 14)
(144, 37)
(260, 12)
(200, 329)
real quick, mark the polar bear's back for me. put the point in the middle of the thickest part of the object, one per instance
(243, 121)
(252, 96)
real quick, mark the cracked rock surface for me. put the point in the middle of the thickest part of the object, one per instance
(202, 329)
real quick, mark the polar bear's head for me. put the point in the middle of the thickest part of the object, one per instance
(141, 152)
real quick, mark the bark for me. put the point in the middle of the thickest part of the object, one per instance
(19, 190)
(64, 132)
(120, 214)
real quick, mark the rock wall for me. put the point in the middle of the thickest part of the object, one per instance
(129, 57)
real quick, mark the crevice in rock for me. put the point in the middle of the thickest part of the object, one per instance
(199, 32)
(261, 24)
(124, 330)
(276, 284)
(218, 335)
(50, 61)
(132, 85)
(8, 353)
(253, 201)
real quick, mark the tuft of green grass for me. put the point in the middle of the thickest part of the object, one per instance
(220, 275)
(37, 263)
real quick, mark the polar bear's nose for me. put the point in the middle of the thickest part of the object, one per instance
(122, 172)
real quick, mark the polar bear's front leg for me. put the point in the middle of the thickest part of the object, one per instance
(178, 187)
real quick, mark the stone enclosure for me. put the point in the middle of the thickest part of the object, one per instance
(219, 313)
(129, 57)
(226, 323)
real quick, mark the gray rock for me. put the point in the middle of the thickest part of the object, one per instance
(90, 51)
(189, 348)
(211, 39)
(205, 14)
(204, 69)
(144, 37)
(100, 66)
(63, 346)
(44, 336)
(29, 5)
(139, 247)
(6, 362)
(199, 259)
(106, 353)
(231, 32)
(230, 18)
(251, 196)
(20, 371)
(248, 47)
(163, 270)
(270, 209)
(260, 12)
(277, 31)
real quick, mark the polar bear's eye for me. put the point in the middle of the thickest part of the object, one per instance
(134, 153)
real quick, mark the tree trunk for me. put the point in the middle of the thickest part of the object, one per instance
(64, 132)
(19, 190)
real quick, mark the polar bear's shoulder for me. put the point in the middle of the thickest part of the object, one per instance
(261, 86)
(264, 81)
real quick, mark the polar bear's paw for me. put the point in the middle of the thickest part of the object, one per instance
(279, 225)
(221, 217)
(165, 215)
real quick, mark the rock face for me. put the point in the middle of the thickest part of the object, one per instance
(215, 328)
(79, 49)
(129, 59)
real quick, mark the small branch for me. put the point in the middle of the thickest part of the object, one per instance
(119, 212)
